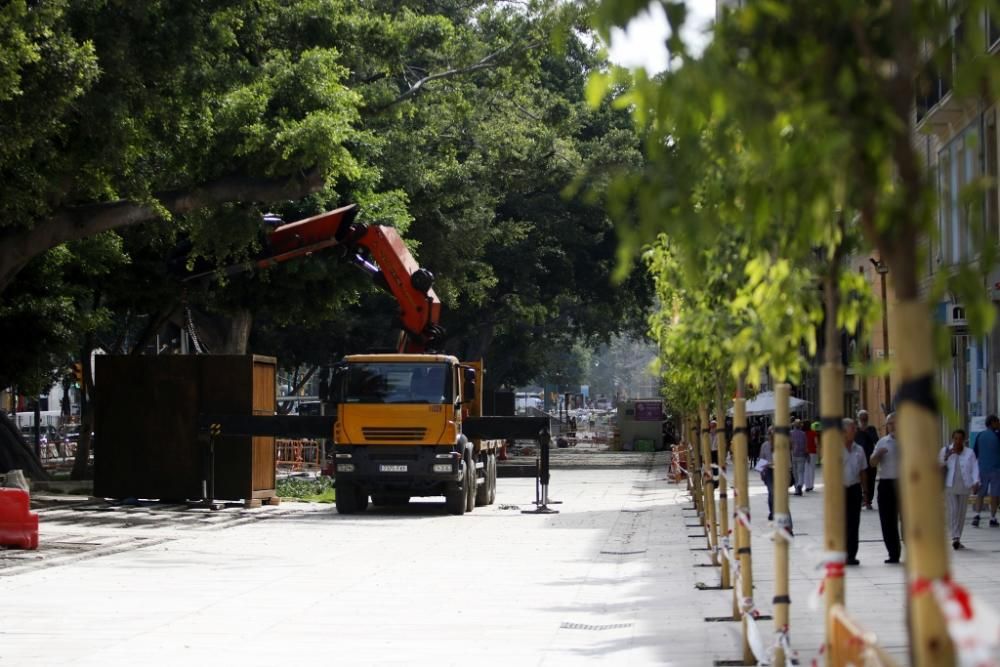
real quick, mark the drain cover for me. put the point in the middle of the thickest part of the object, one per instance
(584, 626)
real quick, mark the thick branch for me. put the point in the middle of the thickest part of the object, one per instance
(18, 247)
(486, 62)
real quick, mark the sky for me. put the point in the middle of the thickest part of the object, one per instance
(641, 44)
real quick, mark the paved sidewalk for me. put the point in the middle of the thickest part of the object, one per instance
(875, 591)
(610, 580)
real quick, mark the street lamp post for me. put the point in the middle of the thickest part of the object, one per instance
(882, 268)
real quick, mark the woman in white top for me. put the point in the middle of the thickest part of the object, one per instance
(960, 479)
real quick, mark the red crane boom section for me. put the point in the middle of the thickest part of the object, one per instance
(388, 260)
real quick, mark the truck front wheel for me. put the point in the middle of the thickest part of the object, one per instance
(348, 498)
(455, 493)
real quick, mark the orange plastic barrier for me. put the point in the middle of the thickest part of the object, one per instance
(851, 645)
(18, 524)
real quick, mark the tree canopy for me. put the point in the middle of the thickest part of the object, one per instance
(465, 126)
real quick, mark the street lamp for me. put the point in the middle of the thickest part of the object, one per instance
(882, 268)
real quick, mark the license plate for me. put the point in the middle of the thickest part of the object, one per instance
(385, 467)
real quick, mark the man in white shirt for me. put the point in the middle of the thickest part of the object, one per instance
(961, 477)
(885, 457)
(855, 467)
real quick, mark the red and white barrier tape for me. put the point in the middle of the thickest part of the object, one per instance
(833, 563)
(743, 518)
(973, 626)
(754, 638)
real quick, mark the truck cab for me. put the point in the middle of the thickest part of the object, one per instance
(399, 432)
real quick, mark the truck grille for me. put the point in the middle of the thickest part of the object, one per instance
(394, 433)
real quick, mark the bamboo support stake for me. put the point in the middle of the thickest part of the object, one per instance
(723, 491)
(779, 483)
(831, 388)
(694, 467)
(920, 486)
(706, 461)
(743, 507)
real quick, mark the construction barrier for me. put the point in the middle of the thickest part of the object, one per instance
(850, 645)
(299, 455)
(18, 524)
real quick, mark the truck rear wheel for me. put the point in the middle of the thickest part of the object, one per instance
(491, 476)
(483, 489)
(454, 495)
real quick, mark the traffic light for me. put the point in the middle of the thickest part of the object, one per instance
(78, 374)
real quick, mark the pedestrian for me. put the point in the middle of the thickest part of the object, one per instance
(756, 442)
(961, 475)
(987, 450)
(886, 458)
(800, 453)
(867, 436)
(812, 453)
(765, 465)
(855, 466)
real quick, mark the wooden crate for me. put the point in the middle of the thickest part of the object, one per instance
(147, 444)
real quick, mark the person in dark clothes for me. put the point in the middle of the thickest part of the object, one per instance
(855, 471)
(867, 436)
(886, 459)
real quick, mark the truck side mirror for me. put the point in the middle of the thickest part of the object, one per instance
(468, 384)
(335, 390)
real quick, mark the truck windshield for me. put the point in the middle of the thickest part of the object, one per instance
(397, 382)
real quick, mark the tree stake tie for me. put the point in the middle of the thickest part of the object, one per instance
(782, 640)
(783, 527)
(973, 626)
(833, 563)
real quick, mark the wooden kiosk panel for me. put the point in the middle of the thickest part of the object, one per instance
(146, 435)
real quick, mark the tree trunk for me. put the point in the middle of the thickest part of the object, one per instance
(238, 338)
(709, 484)
(720, 410)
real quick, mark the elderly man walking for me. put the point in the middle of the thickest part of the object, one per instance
(961, 475)
(885, 457)
(855, 472)
(800, 454)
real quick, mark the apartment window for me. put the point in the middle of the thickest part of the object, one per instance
(992, 208)
(958, 166)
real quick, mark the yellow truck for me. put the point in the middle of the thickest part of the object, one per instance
(399, 432)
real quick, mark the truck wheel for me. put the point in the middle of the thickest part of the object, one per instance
(454, 496)
(347, 498)
(491, 476)
(483, 489)
(470, 485)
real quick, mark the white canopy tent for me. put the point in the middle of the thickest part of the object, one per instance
(763, 404)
